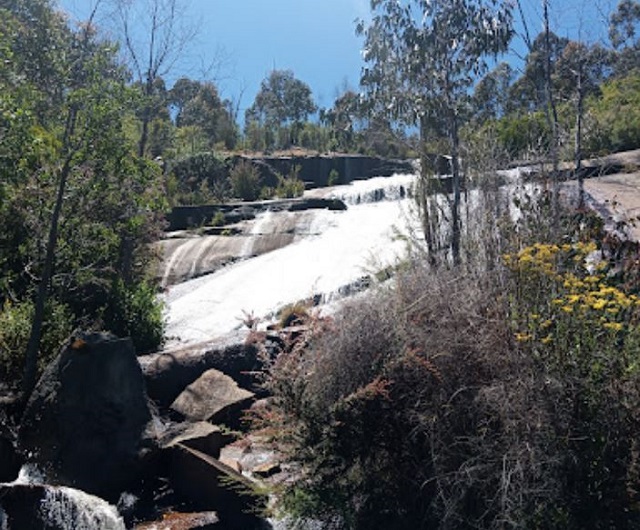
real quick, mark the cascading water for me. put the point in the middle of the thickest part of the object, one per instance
(340, 248)
(68, 508)
(62, 507)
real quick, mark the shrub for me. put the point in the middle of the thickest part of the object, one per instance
(204, 176)
(334, 177)
(290, 186)
(443, 401)
(245, 181)
(15, 328)
(135, 311)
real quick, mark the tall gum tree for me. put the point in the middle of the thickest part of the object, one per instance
(67, 173)
(422, 59)
(155, 35)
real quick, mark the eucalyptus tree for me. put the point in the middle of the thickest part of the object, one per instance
(422, 58)
(78, 210)
(154, 34)
(282, 101)
(624, 33)
(198, 104)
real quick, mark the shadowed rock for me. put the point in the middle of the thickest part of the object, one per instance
(85, 422)
(202, 436)
(208, 484)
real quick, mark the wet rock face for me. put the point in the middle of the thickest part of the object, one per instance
(10, 461)
(85, 422)
(25, 506)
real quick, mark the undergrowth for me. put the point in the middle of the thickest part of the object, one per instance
(492, 395)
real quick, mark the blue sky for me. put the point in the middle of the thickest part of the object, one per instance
(313, 38)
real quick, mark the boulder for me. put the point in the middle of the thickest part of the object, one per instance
(85, 422)
(213, 397)
(25, 506)
(205, 483)
(168, 373)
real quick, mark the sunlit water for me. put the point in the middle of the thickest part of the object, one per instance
(341, 248)
(336, 249)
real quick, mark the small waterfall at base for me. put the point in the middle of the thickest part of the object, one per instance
(69, 508)
(64, 508)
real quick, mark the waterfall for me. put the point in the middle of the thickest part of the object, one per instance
(62, 507)
(69, 508)
(376, 189)
(336, 250)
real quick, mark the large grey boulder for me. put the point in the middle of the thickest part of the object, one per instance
(28, 506)
(213, 397)
(85, 422)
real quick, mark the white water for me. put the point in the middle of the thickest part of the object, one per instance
(69, 508)
(63, 507)
(341, 248)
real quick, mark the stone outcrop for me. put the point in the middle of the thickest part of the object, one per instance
(183, 217)
(202, 436)
(213, 397)
(85, 422)
(315, 170)
(168, 373)
(27, 506)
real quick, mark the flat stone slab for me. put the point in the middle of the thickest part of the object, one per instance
(213, 397)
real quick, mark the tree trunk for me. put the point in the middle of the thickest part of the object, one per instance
(456, 178)
(33, 346)
(424, 193)
(578, 141)
(552, 119)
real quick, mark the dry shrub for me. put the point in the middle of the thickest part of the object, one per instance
(431, 403)
(418, 408)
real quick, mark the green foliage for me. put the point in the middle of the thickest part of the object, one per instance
(615, 117)
(15, 327)
(65, 117)
(290, 186)
(524, 136)
(198, 105)
(245, 181)
(201, 177)
(280, 108)
(135, 311)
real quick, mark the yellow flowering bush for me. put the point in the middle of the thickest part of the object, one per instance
(561, 303)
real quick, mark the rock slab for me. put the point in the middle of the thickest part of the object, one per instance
(213, 397)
